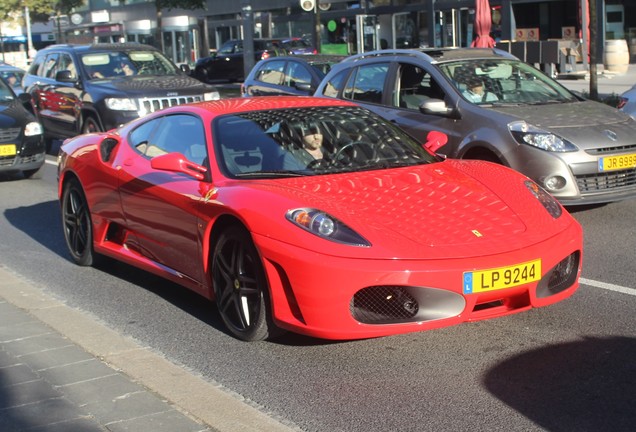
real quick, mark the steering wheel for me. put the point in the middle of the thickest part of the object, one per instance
(355, 151)
(317, 164)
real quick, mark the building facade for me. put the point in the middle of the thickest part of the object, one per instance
(345, 27)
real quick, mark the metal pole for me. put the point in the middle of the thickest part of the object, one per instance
(248, 36)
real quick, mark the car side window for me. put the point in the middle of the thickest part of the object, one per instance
(367, 83)
(271, 72)
(35, 66)
(48, 69)
(296, 74)
(332, 88)
(179, 133)
(65, 62)
(414, 86)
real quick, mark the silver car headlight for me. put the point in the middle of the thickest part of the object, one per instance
(325, 226)
(525, 133)
(32, 129)
(121, 104)
(548, 201)
(214, 95)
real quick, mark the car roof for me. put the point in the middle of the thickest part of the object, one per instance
(8, 67)
(436, 55)
(309, 58)
(128, 46)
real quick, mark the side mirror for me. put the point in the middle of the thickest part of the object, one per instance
(303, 87)
(185, 69)
(435, 140)
(65, 76)
(436, 107)
(25, 98)
(176, 162)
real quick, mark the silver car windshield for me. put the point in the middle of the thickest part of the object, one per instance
(112, 64)
(494, 81)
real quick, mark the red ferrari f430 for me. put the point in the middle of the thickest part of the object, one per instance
(315, 216)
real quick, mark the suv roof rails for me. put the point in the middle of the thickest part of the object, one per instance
(390, 52)
(433, 55)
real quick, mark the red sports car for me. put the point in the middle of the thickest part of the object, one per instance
(315, 216)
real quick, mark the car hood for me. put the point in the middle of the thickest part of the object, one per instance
(12, 115)
(584, 123)
(444, 210)
(153, 85)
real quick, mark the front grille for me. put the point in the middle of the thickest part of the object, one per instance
(6, 160)
(383, 305)
(614, 180)
(148, 105)
(606, 150)
(10, 134)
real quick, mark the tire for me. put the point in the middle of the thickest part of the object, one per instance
(241, 287)
(90, 125)
(77, 224)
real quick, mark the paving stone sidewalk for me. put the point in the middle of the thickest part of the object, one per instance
(49, 384)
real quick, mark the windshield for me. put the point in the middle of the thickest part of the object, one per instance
(310, 141)
(100, 65)
(501, 82)
(6, 95)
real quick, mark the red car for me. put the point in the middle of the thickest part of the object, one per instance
(365, 234)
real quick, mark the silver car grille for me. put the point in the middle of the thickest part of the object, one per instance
(10, 134)
(149, 105)
(600, 182)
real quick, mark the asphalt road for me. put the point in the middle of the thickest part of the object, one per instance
(567, 367)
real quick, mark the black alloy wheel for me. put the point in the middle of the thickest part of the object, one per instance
(78, 228)
(241, 287)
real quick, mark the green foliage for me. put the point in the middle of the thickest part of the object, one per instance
(39, 10)
(611, 99)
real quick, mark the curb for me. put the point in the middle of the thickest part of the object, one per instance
(206, 402)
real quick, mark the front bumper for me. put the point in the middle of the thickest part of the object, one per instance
(582, 180)
(313, 294)
(30, 155)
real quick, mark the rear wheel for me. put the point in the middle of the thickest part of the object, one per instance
(241, 287)
(78, 228)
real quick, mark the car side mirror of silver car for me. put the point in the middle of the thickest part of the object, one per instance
(436, 107)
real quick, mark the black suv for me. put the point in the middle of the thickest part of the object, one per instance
(86, 88)
(227, 63)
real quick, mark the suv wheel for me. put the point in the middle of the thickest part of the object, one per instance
(90, 125)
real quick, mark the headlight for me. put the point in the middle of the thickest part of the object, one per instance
(32, 129)
(548, 201)
(211, 96)
(325, 226)
(121, 104)
(524, 133)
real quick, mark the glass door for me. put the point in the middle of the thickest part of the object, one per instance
(367, 33)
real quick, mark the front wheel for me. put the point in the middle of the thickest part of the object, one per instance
(241, 287)
(78, 228)
(90, 125)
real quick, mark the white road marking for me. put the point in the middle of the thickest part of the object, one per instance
(51, 162)
(608, 286)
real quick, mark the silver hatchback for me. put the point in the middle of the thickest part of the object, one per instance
(497, 108)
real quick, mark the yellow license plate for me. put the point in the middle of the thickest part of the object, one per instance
(612, 163)
(7, 150)
(503, 277)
